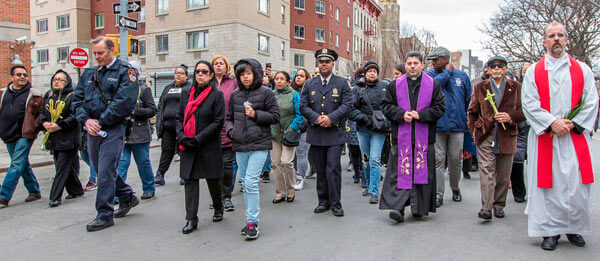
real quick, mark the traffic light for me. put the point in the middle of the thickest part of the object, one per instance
(133, 44)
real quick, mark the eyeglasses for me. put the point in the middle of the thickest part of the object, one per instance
(560, 35)
(494, 66)
(202, 71)
(180, 73)
(59, 80)
(21, 74)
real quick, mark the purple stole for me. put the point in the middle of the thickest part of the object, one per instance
(409, 164)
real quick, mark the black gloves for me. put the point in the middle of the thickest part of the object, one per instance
(189, 142)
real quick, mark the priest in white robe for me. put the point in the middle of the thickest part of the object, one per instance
(560, 169)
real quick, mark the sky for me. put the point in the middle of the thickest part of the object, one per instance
(454, 22)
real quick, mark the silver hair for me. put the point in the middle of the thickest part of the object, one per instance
(109, 43)
(553, 24)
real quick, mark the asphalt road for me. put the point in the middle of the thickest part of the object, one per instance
(289, 231)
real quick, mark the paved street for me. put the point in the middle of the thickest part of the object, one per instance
(152, 231)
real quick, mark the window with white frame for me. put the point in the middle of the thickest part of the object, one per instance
(62, 54)
(263, 43)
(99, 20)
(347, 45)
(282, 49)
(337, 14)
(42, 25)
(263, 6)
(299, 4)
(162, 43)
(142, 51)
(197, 40)
(337, 40)
(331, 9)
(197, 3)
(162, 6)
(62, 22)
(320, 7)
(283, 14)
(42, 56)
(299, 60)
(320, 35)
(299, 31)
(348, 21)
(355, 16)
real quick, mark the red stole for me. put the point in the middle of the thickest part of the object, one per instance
(544, 161)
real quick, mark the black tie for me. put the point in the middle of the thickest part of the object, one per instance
(324, 83)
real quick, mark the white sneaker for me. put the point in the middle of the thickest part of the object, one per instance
(299, 183)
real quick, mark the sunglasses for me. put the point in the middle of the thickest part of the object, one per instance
(202, 71)
(21, 74)
(494, 66)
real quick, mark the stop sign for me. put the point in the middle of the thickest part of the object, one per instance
(79, 58)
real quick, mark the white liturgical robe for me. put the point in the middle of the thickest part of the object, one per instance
(566, 207)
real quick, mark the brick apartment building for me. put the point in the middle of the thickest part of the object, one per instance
(14, 24)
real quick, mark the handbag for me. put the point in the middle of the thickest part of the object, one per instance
(291, 138)
(378, 120)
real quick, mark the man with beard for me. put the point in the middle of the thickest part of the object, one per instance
(413, 103)
(560, 170)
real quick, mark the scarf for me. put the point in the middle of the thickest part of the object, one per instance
(189, 121)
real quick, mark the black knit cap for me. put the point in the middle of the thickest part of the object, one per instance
(371, 65)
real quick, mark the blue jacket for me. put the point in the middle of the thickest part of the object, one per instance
(457, 89)
(120, 87)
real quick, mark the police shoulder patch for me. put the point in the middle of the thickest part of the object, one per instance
(132, 75)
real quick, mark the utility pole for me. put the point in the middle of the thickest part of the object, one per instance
(123, 34)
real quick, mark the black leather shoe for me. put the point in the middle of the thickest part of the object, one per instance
(321, 209)
(549, 243)
(190, 226)
(72, 196)
(466, 175)
(98, 224)
(456, 196)
(124, 207)
(218, 215)
(33, 197)
(54, 203)
(576, 240)
(396, 215)
(278, 200)
(439, 201)
(485, 215)
(290, 199)
(338, 212)
(147, 195)
(519, 199)
(499, 213)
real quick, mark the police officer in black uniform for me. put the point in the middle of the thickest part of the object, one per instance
(104, 97)
(326, 100)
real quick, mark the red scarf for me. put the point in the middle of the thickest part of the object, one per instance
(545, 147)
(189, 121)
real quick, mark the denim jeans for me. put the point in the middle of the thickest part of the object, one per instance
(267, 166)
(141, 154)
(302, 155)
(86, 158)
(371, 143)
(250, 165)
(235, 169)
(19, 167)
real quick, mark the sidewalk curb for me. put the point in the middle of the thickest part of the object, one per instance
(51, 162)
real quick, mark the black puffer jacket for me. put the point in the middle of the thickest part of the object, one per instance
(361, 112)
(145, 108)
(251, 134)
(68, 137)
(521, 154)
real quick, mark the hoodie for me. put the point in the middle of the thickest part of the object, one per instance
(19, 113)
(68, 137)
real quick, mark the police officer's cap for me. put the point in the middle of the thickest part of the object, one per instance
(326, 54)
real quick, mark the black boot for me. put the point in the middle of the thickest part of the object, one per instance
(549, 243)
(218, 216)
(190, 226)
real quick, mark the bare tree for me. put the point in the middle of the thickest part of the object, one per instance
(415, 39)
(517, 29)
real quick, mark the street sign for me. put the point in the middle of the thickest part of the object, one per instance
(79, 58)
(132, 7)
(128, 22)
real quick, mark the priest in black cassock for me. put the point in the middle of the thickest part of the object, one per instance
(413, 103)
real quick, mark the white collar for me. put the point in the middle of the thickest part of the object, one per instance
(328, 77)
(111, 63)
(555, 63)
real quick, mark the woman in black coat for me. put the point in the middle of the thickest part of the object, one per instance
(63, 140)
(199, 122)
